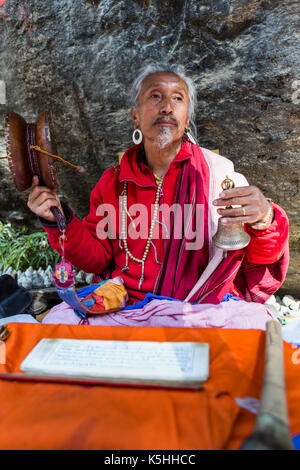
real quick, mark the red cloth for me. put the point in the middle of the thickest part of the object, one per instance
(267, 252)
(182, 265)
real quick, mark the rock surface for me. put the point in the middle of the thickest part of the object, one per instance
(77, 58)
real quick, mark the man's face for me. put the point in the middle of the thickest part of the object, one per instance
(162, 107)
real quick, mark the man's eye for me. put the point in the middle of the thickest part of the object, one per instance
(178, 98)
(155, 95)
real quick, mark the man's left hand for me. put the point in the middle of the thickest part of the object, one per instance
(254, 206)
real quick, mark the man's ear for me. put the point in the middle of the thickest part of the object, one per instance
(187, 125)
(134, 116)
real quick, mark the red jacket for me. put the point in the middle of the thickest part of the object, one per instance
(86, 251)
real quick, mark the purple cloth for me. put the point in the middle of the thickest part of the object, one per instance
(231, 314)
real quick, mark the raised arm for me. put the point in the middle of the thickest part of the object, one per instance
(83, 248)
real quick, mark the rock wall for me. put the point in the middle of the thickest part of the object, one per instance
(77, 58)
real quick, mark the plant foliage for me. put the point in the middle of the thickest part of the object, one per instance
(20, 250)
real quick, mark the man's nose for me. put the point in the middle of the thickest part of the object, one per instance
(166, 106)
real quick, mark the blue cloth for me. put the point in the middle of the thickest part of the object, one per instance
(88, 290)
(68, 295)
(296, 442)
(230, 297)
(88, 303)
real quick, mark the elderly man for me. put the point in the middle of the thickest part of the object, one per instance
(165, 168)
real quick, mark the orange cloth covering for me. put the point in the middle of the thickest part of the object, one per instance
(64, 416)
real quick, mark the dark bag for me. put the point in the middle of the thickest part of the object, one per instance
(13, 299)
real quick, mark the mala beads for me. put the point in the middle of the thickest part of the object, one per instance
(123, 228)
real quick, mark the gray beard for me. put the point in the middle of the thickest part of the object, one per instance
(164, 138)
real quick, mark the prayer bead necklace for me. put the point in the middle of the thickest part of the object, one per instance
(124, 212)
(157, 179)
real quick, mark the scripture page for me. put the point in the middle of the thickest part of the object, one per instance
(120, 360)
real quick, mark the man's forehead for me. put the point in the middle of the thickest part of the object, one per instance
(163, 78)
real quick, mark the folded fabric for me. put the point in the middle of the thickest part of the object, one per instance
(173, 313)
(149, 296)
(85, 291)
(107, 296)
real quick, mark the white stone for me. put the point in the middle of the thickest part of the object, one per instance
(24, 282)
(37, 280)
(295, 306)
(29, 271)
(284, 310)
(47, 280)
(28, 275)
(49, 270)
(89, 278)
(288, 300)
(80, 277)
(271, 300)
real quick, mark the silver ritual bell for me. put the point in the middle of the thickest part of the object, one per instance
(230, 236)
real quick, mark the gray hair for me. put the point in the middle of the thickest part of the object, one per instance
(178, 70)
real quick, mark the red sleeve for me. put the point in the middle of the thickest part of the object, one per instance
(83, 248)
(267, 246)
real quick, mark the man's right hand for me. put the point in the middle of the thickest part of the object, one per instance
(41, 199)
